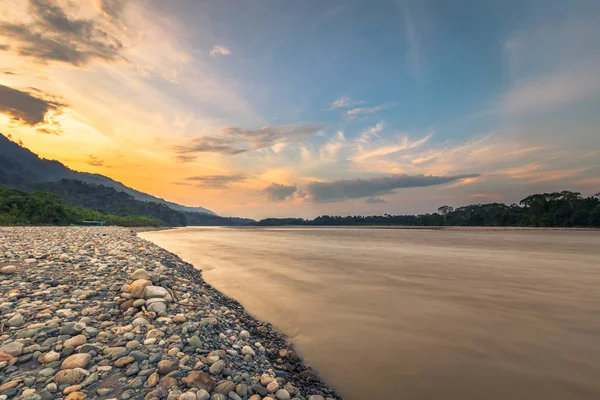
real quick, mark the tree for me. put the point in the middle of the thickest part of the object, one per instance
(445, 210)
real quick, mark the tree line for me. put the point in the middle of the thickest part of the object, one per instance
(42, 208)
(558, 209)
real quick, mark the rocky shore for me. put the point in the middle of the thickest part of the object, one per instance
(100, 313)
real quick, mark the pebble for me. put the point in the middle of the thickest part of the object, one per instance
(8, 270)
(100, 312)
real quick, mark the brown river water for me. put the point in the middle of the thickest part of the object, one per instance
(419, 314)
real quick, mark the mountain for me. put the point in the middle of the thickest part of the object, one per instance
(19, 168)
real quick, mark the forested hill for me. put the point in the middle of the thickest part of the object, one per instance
(19, 167)
(42, 208)
(559, 209)
(22, 169)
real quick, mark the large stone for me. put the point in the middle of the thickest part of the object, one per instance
(9, 385)
(272, 387)
(76, 396)
(139, 274)
(199, 380)
(6, 357)
(76, 361)
(15, 349)
(282, 394)
(124, 361)
(138, 288)
(8, 270)
(166, 366)
(265, 379)
(49, 357)
(76, 341)
(247, 350)
(167, 382)
(155, 291)
(225, 387)
(16, 320)
(217, 367)
(69, 376)
(157, 307)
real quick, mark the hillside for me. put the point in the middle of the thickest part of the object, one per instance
(41, 208)
(20, 167)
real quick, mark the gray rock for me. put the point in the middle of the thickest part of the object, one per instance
(15, 349)
(202, 395)
(155, 291)
(16, 321)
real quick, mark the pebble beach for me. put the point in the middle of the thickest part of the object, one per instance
(99, 313)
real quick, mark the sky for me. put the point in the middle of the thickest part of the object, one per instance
(300, 108)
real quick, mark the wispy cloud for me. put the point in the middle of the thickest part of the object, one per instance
(219, 51)
(217, 181)
(355, 112)
(553, 90)
(232, 141)
(278, 192)
(345, 102)
(414, 53)
(54, 35)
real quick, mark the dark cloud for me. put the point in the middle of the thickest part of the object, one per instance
(113, 8)
(217, 181)
(95, 161)
(375, 200)
(4, 47)
(232, 141)
(55, 36)
(278, 192)
(31, 107)
(7, 71)
(323, 192)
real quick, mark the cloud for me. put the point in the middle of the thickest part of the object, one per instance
(233, 141)
(113, 9)
(345, 102)
(342, 102)
(95, 161)
(387, 150)
(217, 181)
(31, 107)
(344, 189)
(552, 91)
(219, 51)
(7, 71)
(55, 36)
(278, 192)
(375, 200)
(414, 46)
(355, 112)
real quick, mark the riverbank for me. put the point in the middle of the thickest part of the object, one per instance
(102, 313)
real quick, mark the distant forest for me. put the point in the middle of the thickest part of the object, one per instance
(559, 209)
(42, 208)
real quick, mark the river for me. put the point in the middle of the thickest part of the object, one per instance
(419, 314)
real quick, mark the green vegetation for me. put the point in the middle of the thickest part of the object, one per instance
(43, 208)
(559, 209)
(109, 200)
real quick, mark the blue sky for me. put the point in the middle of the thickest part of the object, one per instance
(307, 107)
